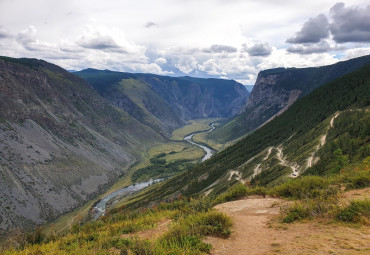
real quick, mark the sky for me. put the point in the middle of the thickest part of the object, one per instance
(230, 39)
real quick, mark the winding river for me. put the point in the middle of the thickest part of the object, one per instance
(207, 150)
(100, 207)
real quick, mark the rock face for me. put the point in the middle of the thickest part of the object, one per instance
(276, 89)
(165, 103)
(61, 143)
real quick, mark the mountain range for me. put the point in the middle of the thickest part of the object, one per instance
(63, 141)
(166, 103)
(319, 134)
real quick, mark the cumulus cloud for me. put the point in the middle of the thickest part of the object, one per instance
(98, 42)
(309, 49)
(186, 64)
(350, 24)
(108, 39)
(347, 24)
(312, 31)
(216, 48)
(258, 49)
(27, 38)
(320, 47)
(160, 61)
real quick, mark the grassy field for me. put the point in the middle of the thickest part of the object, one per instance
(195, 126)
(180, 226)
(177, 151)
(202, 138)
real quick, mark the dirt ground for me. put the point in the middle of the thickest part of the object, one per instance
(257, 230)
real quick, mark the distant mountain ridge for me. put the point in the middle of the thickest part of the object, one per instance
(277, 89)
(166, 103)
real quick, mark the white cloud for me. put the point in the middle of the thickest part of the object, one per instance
(186, 64)
(160, 61)
(358, 52)
(203, 38)
(258, 49)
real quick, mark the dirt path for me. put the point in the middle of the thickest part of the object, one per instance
(311, 160)
(257, 230)
(283, 162)
(250, 232)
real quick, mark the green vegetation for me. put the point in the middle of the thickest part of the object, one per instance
(315, 196)
(301, 124)
(203, 138)
(298, 79)
(348, 142)
(166, 103)
(198, 125)
(191, 219)
(357, 211)
(238, 191)
(178, 156)
(159, 169)
(122, 229)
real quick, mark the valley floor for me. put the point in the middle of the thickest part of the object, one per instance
(257, 230)
(175, 149)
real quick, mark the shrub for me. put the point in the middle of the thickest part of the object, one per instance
(306, 187)
(310, 209)
(357, 211)
(36, 237)
(233, 193)
(297, 211)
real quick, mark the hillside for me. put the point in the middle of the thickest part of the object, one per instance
(61, 144)
(320, 133)
(166, 103)
(325, 134)
(277, 89)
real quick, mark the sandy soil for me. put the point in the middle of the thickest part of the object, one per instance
(257, 230)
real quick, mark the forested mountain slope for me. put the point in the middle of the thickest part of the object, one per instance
(166, 103)
(277, 89)
(319, 133)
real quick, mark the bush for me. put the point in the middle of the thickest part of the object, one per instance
(233, 193)
(200, 224)
(357, 211)
(297, 211)
(306, 187)
(36, 237)
(310, 209)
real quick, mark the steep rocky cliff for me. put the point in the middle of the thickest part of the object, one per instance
(61, 143)
(277, 89)
(165, 103)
